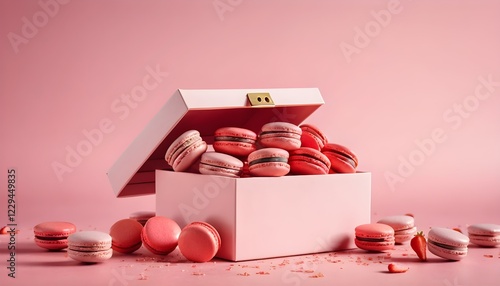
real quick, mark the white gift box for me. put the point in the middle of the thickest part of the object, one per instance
(257, 217)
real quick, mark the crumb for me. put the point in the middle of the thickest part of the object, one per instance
(243, 274)
(319, 275)
(4, 230)
(193, 266)
(308, 271)
(143, 277)
(198, 274)
(229, 268)
(262, 273)
(396, 268)
(488, 255)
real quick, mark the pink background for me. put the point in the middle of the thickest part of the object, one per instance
(398, 87)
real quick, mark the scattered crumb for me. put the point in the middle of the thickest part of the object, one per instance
(488, 255)
(229, 268)
(319, 275)
(243, 274)
(198, 274)
(262, 273)
(308, 271)
(143, 277)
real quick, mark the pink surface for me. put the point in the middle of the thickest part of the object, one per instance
(416, 96)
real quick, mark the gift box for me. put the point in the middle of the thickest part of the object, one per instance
(257, 217)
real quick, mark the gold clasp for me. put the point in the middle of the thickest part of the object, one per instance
(260, 99)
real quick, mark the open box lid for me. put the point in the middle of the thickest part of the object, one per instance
(133, 173)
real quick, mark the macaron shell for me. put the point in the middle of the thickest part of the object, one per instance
(160, 235)
(447, 243)
(268, 169)
(91, 257)
(282, 135)
(403, 226)
(404, 235)
(184, 140)
(189, 156)
(126, 235)
(215, 163)
(53, 235)
(372, 232)
(312, 137)
(484, 234)
(199, 242)
(308, 161)
(234, 147)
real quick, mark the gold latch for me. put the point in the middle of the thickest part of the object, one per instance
(260, 99)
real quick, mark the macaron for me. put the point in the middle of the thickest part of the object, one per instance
(234, 141)
(282, 135)
(308, 161)
(185, 150)
(126, 235)
(374, 237)
(53, 235)
(268, 162)
(215, 163)
(312, 137)
(142, 216)
(484, 234)
(447, 243)
(403, 225)
(90, 246)
(160, 235)
(199, 241)
(341, 158)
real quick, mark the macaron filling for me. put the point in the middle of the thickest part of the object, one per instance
(235, 139)
(268, 160)
(370, 239)
(446, 246)
(213, 166)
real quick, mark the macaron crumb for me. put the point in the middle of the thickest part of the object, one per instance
(488, 256)
(457, 229)
(397, 268)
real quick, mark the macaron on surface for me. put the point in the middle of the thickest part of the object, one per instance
(447, 243)
(160, 235)
(268, 162)
(308, 161)
(126, 235)
(374, 237)
(341, 158)
(484, 234)
(282, 135)
(234, 141)
(215, 163)
(403, 225)
(312, 137)
(53, 235)
(199, 242)
(90, 246)
(185, 150)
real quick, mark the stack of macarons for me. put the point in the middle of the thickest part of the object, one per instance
(280, 148)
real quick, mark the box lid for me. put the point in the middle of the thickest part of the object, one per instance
(133, 173)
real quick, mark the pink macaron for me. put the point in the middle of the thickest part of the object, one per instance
(199, 241)
(53, 235)
(484, 234)
(268, 162)
(308, 161)
(160, 235)
(215, 163)
(126, 235)
(374, 237)
(185, 150)
(403, 225)
(312, 137)
(90, 246)
(234, 141)
(282, 135)
(341, 158)
(447, 243)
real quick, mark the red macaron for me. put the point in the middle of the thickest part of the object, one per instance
(160, 235)
(234, 141)
(312, 137)
(53, 235)
(308, 161)
(341, 158)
